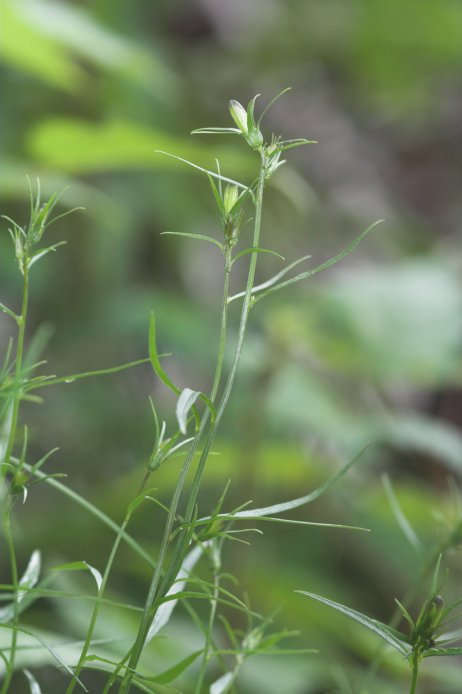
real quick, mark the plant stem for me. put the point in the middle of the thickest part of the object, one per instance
(19, 359)
(14, 581)
(7, 458)
(415, 673)
(215, 550)
(97, 605)
(175, 562)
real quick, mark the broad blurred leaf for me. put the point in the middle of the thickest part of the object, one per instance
(81, 147)
(394, 323)
(44, 37)
(24, 46)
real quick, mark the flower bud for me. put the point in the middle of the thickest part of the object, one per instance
(239, 115)
(230, 198)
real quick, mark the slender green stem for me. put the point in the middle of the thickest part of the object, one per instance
(19, 360)
(223, 327)
(146, 619)
(7, 457)
(213, 610)
(14, 581)
(154, 590)
(97, 605)
(415, 673)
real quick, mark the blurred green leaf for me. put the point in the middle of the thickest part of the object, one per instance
(80, 147)
(24, 46)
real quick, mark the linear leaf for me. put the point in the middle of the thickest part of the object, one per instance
(9, 312)
(45, 251)
(377, 627)
(257, 250)
(175, 671)
(186, 400)
(31, 574)
(300, 501)
(215, 131)
(33, 684)
(164, 612)
(53, 380)
(154, 356)
(81, 566)
(323, 266)
(222, 684)
(206, 171)
(198, 237)
(406, 528)
(442, 651)
(272, 280)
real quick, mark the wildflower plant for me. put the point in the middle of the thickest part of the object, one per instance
(190, 534)
(426, 637)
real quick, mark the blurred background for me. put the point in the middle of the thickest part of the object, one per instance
(368, 351)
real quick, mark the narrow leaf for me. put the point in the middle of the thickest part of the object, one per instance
(33, 684)
(406, 528)
(206, 171)
(273, 100)
(44, 252)
(377, 627)
(302, 500)
(216, 131)
(222, 684)
(31, 574)
(154, 356)
(323, 266)
(272, 280)
(186, 400)
(53, 380)
(198, 237)
(217, 193)
(164, 612)
(9, 312)
(172, 673)
(81, 566)
(257, 250)
(442, 651)
(299, 142)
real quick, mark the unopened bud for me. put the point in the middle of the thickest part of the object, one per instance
(239, 115)
(230, 198)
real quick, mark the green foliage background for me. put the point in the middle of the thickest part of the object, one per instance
(370, 351)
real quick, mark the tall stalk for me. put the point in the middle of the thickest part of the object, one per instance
(157, 589)
(415, 674)
(17, 396)
(215, 386)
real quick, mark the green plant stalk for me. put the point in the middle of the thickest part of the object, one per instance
(14, 581)
(97, 605)
(146, 619)
(19, 360)
(415, 673)
(209, 633)
(151, 605)
(8, 452)
(247, 304)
